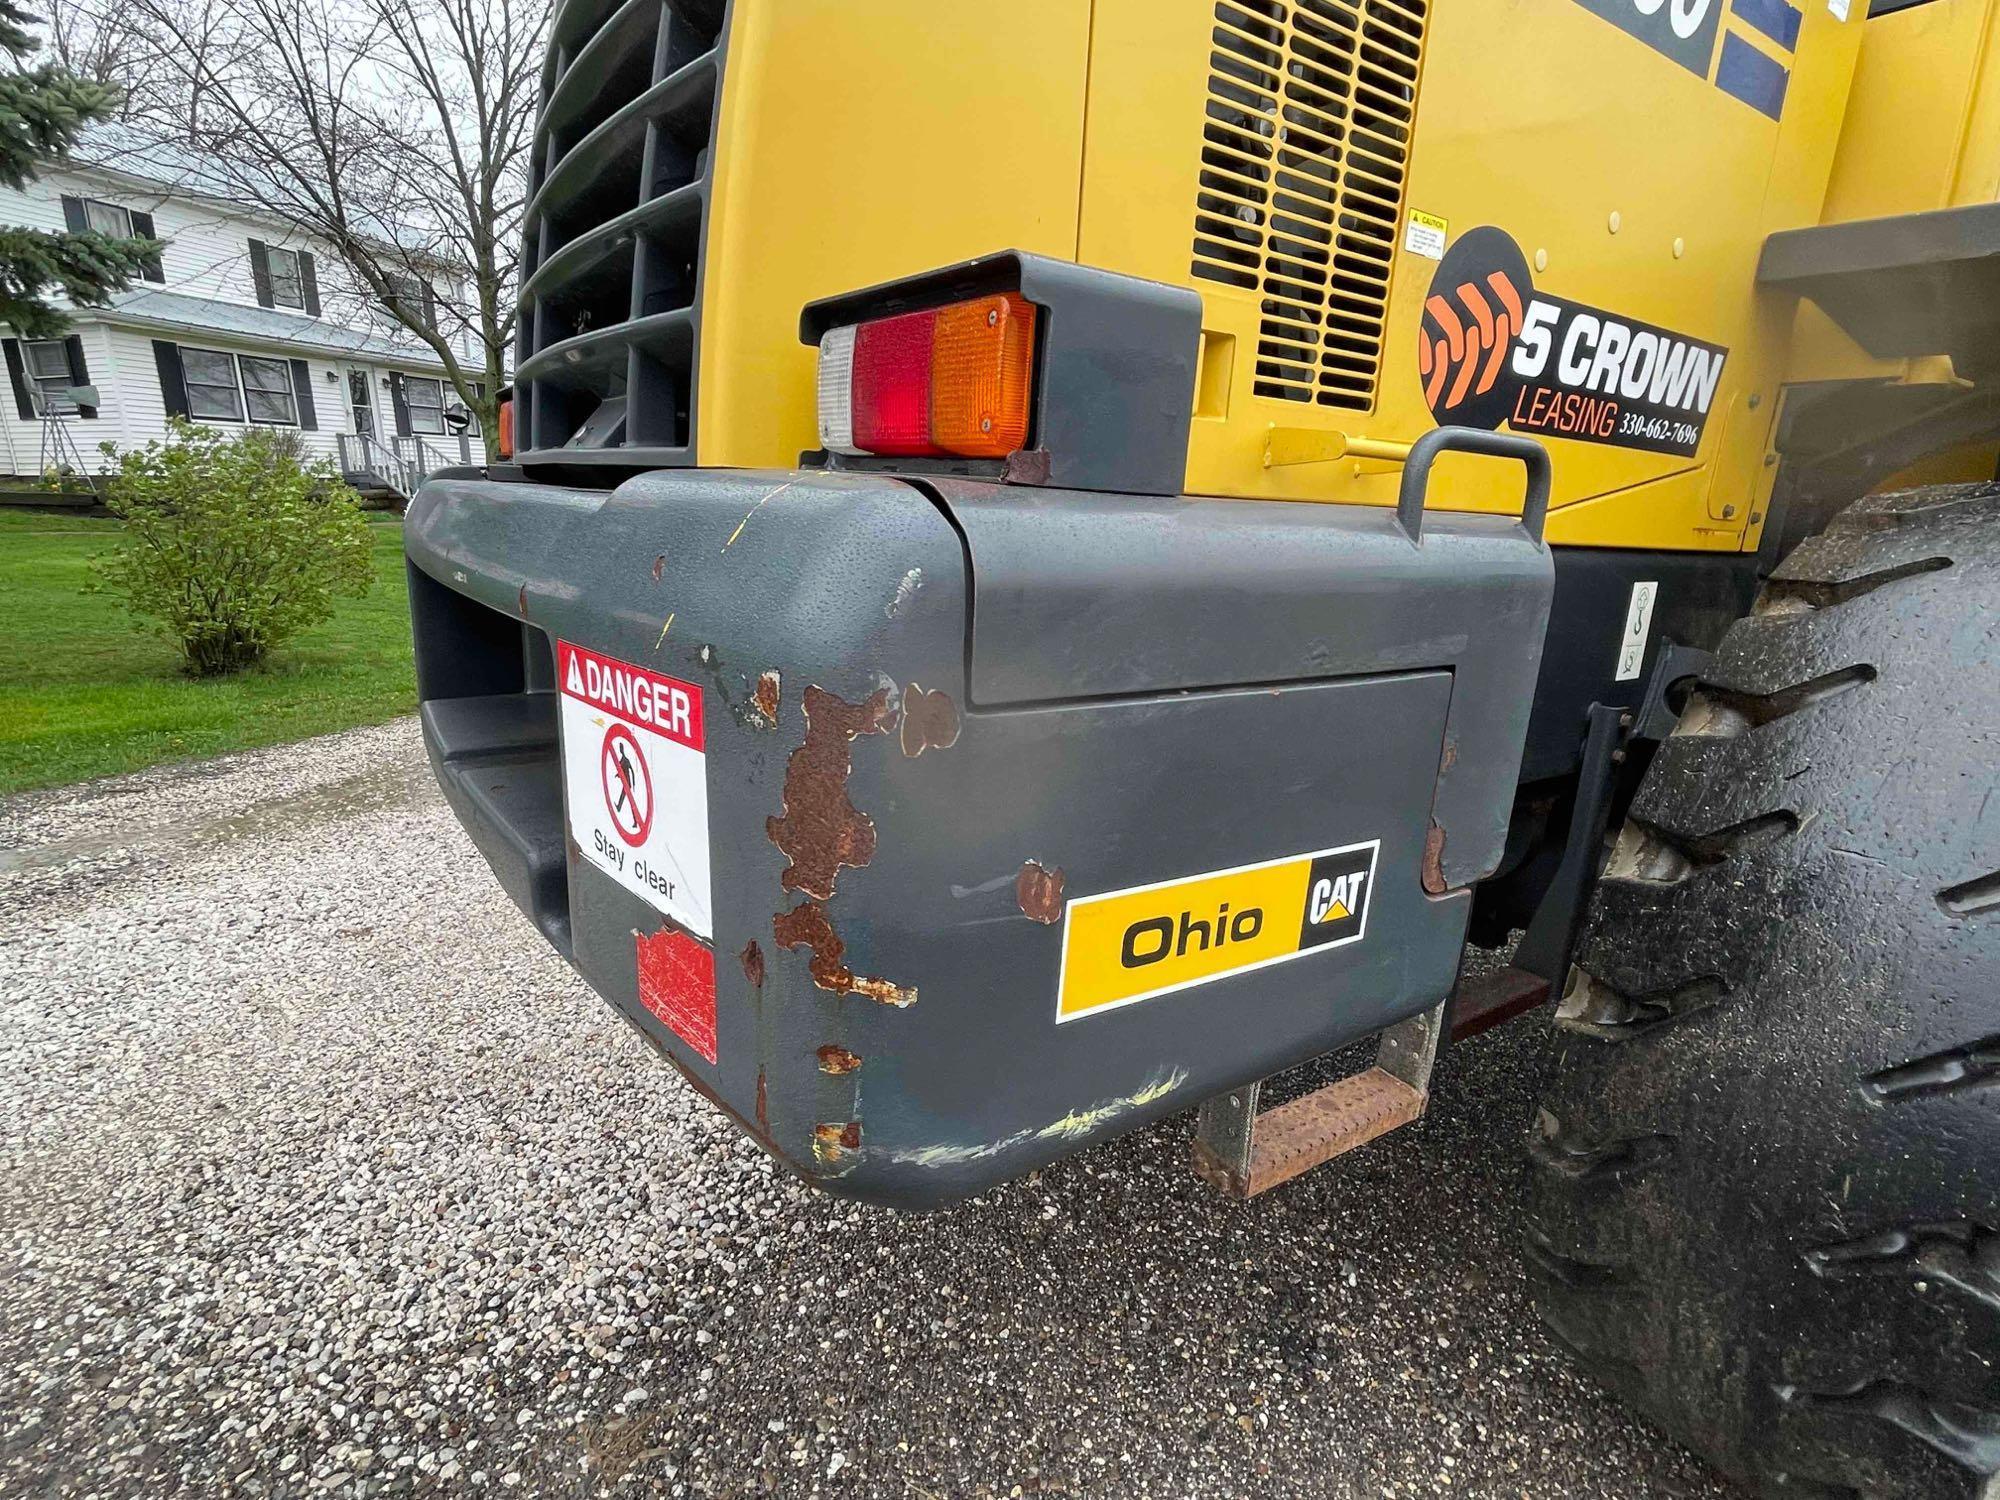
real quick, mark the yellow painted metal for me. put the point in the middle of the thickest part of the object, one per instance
(1921, 132)
(1922, 127)
(1631, 183)
(862, 142)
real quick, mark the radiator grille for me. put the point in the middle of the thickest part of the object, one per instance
(611, 272)
(1305, 151)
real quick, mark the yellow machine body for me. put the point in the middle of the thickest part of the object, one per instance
(1629, 164)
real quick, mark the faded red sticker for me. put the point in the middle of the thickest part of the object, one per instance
(677, 984)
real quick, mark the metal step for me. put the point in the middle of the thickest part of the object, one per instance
(1242, 1152)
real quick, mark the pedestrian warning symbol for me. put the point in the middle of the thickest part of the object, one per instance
(628, 785)
(635, 780)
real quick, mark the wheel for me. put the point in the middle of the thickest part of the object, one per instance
(1764, 1183)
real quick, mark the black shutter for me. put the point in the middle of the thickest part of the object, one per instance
(173, 379)
(310, 282)
(142, 228)
(79, 372)
(18, 377)
(302, 388)
(73, 214)
(260, 272)
(399, 405)
(430, 307)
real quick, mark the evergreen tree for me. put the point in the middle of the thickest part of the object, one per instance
(42, 110)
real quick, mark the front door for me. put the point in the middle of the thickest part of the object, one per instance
(361, 397)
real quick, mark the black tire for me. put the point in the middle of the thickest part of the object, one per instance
(1764, 1185)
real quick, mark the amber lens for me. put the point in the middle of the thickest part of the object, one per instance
(981, 365)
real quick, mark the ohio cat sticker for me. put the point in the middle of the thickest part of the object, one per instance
(1122, 947)
(1494, 351)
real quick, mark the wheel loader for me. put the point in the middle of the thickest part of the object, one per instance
(1059, 559)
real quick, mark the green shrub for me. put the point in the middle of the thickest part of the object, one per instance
(231, 545)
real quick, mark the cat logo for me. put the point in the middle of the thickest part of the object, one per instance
(1334, 898)
(1137, 944)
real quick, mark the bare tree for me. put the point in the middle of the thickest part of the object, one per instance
(395, 131)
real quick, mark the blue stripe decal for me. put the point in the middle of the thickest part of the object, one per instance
(1777, 19)
(1752, 77)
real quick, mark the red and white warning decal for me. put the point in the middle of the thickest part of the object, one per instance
(635, 777)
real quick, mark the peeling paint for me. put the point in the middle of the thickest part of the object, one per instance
(906, 590)
(753, 511)
(1075, 1125)
(837, 1060)
(930, 721)
(821, 830)
(752, 959)
(834, 1141)
(1040, 893)
(806, 926)
(746, 704)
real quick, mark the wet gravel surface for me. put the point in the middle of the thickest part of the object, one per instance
(323, 1176)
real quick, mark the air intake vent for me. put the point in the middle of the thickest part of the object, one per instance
(1305, 150)
(610, 278)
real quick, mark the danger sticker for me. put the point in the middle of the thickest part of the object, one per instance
(635, 778)
(1151, 940)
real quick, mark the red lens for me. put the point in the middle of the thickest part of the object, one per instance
(892, 384)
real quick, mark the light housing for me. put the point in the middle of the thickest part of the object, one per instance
(942, 382)
(1041, 372)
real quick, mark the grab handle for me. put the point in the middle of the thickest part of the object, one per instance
(1417, 473)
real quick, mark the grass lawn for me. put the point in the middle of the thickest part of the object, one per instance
(85, 691)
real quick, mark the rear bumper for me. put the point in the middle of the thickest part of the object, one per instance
(940, 731)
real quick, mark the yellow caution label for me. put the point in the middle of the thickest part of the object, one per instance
(1151, 940)
(1425, 234)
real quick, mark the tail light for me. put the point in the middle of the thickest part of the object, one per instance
(504, 439)
(1014, 368)
(949, 381)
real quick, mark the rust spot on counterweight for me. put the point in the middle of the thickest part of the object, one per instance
(832, 1142)
(1433, 872)
(821, 830)
(659, 566)
(766, 696)
(752, 959)
(1040, 893)
(930, 721)
(806, 926)
(837, 1060)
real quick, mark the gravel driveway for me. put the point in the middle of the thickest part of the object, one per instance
(323, 1175)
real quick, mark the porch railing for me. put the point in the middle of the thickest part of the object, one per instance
(403, 462)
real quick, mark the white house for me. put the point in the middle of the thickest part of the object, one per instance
(238, 321)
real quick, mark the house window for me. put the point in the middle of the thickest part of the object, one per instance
(288, 287)
(406, 294)
(425, 398)
(267, 390)
(213, 395)
(108, 218)
(48, 369)
(222, 387)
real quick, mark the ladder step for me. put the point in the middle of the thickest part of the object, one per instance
(1294, 1138)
